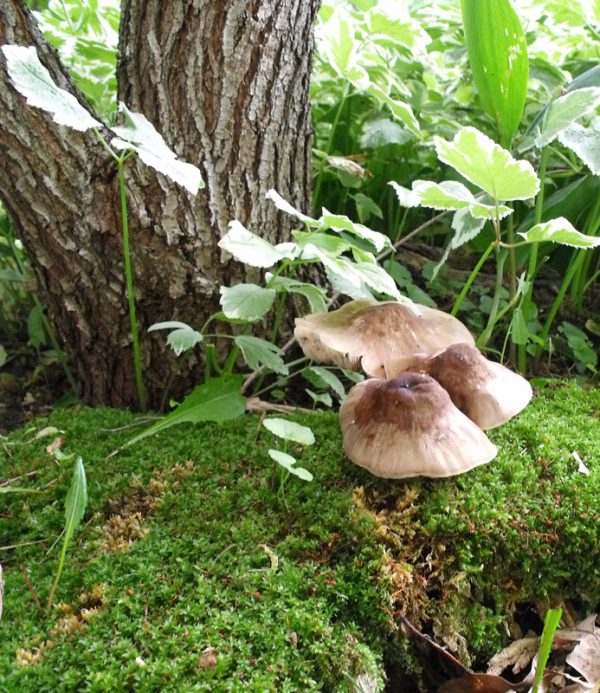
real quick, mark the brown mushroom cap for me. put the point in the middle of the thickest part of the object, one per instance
(381, 337)
(488, 393)
(408, 426)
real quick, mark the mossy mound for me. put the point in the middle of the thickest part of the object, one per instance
(191, 572)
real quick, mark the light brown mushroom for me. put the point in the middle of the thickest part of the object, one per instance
(488, 393)
(382, 338)
(409, 426)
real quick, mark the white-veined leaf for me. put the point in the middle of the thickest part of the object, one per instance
(561, 231)
(585, 143)
(340, 222)
(258, 352)
(289, 430)
(246, 301)
(32, 80)
(454, 195)
(139, 134)
(286, 207)
(487, 165)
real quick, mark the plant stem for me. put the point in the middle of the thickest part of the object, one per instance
(533, 255)
(137, 358)
(493, 316)
(472, 276)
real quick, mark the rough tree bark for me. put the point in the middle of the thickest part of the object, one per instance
(226, 83)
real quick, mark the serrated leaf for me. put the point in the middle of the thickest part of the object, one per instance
(466, 227)
(565, 111)
(258, 352)
(585, 143)
(32, 80)
(377, 279)
(561, 231)
(315, 296)
(139, 134)
(497, 50)
(182, 338)
(249, 248)
(487, 165)
(340, 222)
(454, 195)
(246, 301)
(289, 430)
(219, 400)
(400, 110)
(324, 398)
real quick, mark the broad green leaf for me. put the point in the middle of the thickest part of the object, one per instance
(337, 41)
(561, 231)
(381, 132)
(341, 273)
(219, 400)
(328, 243)
(497, 50)
(323, 377)
(565, 111)
(377, 279)
(246, 301)
(486, 164)
(182, 338)
(258, 352)
(340, 222)
(454, 195)
(519, 333)
(366, 207)
(401, 31)
(466, 227)
(585, 143)
(249, 248)
(315, 296)
(288, 462)
(324, 398)
(286, 207)
(32, 80)
(140, 135)
(288, 430)
(406, 197)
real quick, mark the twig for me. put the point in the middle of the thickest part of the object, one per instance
(31, 588)
(8, 482)
(17, 546)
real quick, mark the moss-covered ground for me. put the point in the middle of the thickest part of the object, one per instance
(190, 571)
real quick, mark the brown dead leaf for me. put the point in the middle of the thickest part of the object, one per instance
(54, 446)
(517, 656)
(477, 683)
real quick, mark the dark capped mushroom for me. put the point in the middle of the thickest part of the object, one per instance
(488, 393)
(382, 338)
(408, 426)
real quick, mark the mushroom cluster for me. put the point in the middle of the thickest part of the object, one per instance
(431, 393)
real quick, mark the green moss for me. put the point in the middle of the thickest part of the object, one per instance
(295, 595)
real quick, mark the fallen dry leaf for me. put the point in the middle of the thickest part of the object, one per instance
(517, 656)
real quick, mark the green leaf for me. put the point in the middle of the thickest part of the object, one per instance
(585, 143)
(324, 398)
(561, 231)
(377, 279)
(35, 327)
(249, 248)
(381, 132)
(315, 296)
(140, 135)
(182, 338)
(32, 80)
(497, 50)
(565, 111)
(400, 110)
(332, 245)
(337, 41)
(258, 352)
(323, 377)
(487, 165)
(288, 462)
(219, 400)
(551, 623)
(4, 355)
(366, 207)
(340, 222)
(288, 430)
(246, 301)
(17, 489)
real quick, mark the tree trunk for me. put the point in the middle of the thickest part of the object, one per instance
(226, 83)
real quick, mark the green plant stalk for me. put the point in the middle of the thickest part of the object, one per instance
(472, 276)
(137, 358)
(551, 623)
(334, 126)
(512, 278)
(533, 254)
(579, 284)
(493, 317)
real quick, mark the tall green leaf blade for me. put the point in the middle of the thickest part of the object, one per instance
(32, 80)
(76, 500)
(219, 399)
(497, 50)
(485, 164)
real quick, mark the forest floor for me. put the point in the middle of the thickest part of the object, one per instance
(192, 570)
